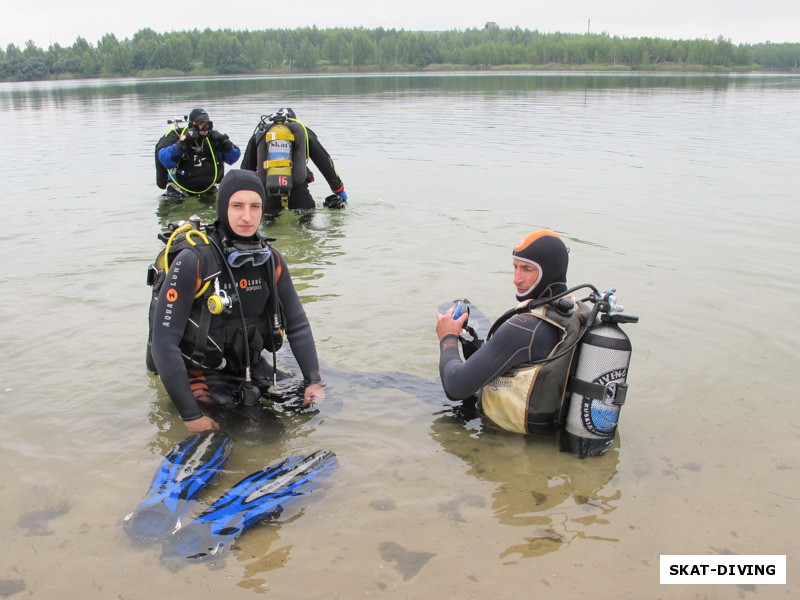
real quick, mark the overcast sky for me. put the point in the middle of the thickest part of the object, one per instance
(743, 21)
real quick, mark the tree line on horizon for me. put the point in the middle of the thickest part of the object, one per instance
(309, 50)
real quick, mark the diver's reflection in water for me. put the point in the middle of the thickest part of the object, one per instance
(555, 496)
(173, 209)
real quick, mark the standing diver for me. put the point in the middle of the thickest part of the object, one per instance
(279, 151)
(191, 160)
(227, 297)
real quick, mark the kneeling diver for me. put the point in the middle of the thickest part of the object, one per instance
(549, 347)
(529, 401)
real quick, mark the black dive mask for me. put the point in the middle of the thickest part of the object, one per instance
(241, 253)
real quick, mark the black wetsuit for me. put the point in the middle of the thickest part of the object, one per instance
(521, 339)
(183, 382)
(195, 168)
(300, 196)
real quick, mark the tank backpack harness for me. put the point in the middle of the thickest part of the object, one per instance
(190, 235)
(598, 357)
(283, 159)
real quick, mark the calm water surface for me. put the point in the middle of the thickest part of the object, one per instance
(678, 191)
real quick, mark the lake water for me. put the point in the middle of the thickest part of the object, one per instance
(681, 192)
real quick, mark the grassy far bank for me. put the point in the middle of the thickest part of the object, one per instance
(310, 50)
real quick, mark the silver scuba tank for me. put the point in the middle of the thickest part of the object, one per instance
(598, 387)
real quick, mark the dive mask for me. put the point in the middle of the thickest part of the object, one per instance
(243, 253)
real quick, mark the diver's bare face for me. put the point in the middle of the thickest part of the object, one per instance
(244, 212)
(526, 275)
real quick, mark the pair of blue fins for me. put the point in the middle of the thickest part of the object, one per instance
(189, 468)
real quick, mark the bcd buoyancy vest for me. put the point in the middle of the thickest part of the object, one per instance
(282, 155)
(530, 397)
(196, 172)
(217, 341)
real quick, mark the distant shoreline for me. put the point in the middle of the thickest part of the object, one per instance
(311, 51)
(434, 70)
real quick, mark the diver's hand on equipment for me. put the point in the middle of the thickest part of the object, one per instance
(217, 138)
(190, 137)
(335, 201)
(343, 195)
(202, 424)
(447, 325)
(221, 140)
(313, 394)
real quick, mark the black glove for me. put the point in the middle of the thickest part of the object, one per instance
(221, 140)
(191, 137)
(334, 202)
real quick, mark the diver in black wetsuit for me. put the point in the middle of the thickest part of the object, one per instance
(495, 370)
(305, 146)
(220, 375)
(192, 160)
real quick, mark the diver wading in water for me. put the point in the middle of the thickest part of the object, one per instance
(546, 362)
(190, 159)
(279, 151)
(221, 297)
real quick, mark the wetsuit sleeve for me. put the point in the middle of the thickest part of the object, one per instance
(521, 339)
(298, 328)
(171, 155)
(250, 158)
(323, 162)
(173, 306)
(231, 156)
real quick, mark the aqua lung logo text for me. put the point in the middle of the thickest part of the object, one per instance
(171, 295)
(245, 285)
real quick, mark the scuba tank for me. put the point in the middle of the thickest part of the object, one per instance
(598, 386)
(278, 164)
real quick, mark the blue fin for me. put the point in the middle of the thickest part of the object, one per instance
(256, 497)
(185, 472)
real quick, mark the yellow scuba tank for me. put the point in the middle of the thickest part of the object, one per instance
(278, 164)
